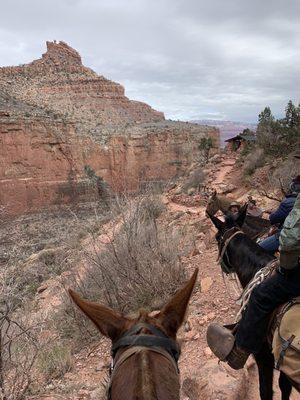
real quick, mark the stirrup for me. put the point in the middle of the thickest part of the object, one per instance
(220, 340)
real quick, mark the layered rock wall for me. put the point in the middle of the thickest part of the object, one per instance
(42, 162)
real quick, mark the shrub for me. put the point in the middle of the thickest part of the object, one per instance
(55, 360)
(282, 176)
(279, 137)
(253, 161)
(141, 266)
(195, 179)
(19, 345)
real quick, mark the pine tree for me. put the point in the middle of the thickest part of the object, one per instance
(265, 117)
(291, 115)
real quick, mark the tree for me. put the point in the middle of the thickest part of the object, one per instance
(281, 136)
(98, 182)
(265, 117)
(292, 115)
(266, 129)
(206, 143)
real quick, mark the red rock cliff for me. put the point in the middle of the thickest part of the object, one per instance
(57, 116)
(42, 162)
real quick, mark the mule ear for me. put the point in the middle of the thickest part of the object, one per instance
(242, 215)
(109, 322)
(172, 315)
(216, 221)
(214, 193)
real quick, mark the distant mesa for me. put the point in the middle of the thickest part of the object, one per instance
(60, 83)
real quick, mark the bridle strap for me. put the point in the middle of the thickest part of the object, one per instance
(157, 339)
(148, 341)
(224, 244)
(158, 342)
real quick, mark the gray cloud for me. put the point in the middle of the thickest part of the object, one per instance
(192, 59)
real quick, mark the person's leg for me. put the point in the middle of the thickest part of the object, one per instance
(252, 329)
(264, 299)
(270, 244)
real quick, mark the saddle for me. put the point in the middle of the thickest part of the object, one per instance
(286, 340)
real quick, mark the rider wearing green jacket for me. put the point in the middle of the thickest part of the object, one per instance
(289, 238)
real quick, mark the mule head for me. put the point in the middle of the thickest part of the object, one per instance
(212, 203)
(114, 324)
(231, 220)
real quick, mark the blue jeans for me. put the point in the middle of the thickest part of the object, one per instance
(271, 243)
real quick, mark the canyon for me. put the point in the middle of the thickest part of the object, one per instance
(58, 117)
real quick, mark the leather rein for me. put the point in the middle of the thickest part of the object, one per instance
(224, 242)
(133, 343)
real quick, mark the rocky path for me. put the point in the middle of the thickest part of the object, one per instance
(223, 171)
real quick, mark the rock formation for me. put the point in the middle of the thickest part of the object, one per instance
(59, 82)
(57, 117)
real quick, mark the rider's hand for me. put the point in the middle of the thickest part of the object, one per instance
(272, 230)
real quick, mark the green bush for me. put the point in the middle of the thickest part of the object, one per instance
(279, 137)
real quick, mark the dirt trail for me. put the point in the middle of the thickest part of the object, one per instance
(223, 172)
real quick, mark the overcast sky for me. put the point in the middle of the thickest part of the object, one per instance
(191, 59)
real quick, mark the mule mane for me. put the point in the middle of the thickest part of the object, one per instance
(247, 257)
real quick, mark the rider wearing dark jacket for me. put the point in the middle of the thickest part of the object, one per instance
(271, 243)
(285, 207)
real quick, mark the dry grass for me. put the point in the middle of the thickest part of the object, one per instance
(195, 179)
(55, 360)
(35, 248)
(19, 348)
(141, 266)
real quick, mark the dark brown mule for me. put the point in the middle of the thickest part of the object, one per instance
(144, 349)
(245, 258)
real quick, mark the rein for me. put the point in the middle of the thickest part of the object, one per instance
(258, 278)
(224, 242)
(157, 342)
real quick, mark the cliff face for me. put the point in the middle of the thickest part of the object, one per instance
(57, 117)
(42, 162)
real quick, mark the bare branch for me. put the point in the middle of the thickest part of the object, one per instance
(264, 193)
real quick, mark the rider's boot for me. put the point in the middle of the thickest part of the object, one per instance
(222, 343)
(237, 358)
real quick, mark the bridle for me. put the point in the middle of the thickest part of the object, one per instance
(225, 239)
(133, 343)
